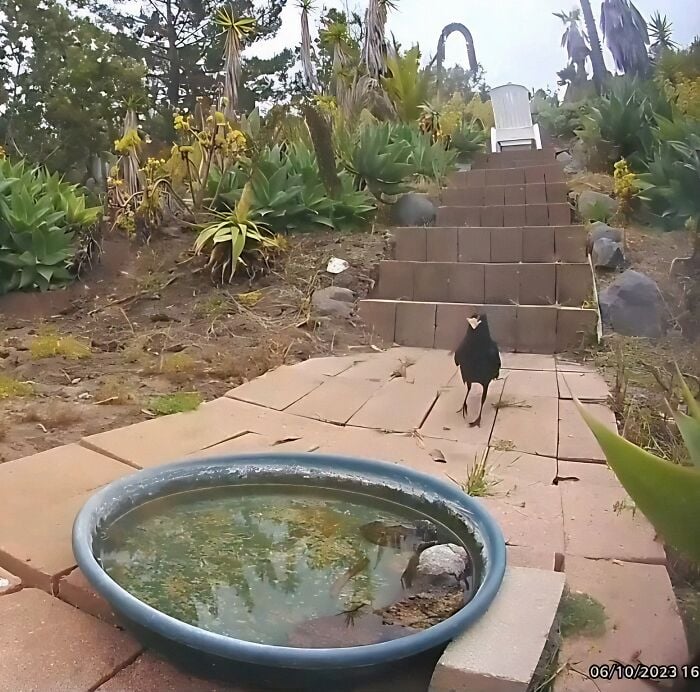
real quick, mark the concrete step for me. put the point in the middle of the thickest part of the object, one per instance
(507, 215)
(530, 193)
(515, 158)
(486, 283)
(488, 244)
(521, 328)
(543, 173)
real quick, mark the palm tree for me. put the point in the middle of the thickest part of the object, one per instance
(600, 72)
(575, 41)
(660, 32)
(374, 49)
(310, 79)
(626, 35)
(236, 31)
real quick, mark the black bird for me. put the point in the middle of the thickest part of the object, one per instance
(478, 360)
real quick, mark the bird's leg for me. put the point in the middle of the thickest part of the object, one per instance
(463, 410)
(477, 422)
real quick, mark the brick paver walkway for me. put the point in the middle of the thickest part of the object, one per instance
(554, 501)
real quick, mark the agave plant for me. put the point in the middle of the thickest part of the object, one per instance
(236, 31)
(379, 163)
(667, 494)
(40, 219)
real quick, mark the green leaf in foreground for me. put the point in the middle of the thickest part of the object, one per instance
(668, 494)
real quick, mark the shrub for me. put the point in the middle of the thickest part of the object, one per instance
(40, 219)
(562, 120)
(430, 158)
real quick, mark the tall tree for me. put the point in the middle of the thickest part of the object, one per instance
(575, 41)
(178, 41)
(600, 72)
(374, 48)
(661, 35)
(307, 66)
(626, 35)
(65, 82)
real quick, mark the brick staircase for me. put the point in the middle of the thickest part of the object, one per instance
(503, 245)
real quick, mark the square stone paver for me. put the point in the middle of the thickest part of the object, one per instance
(329, 366)
(534, 559)
(445, 420)
(39, 498)
(589, 474)
(576, 441)
(254, 442)
(277, 389)
(522, 385)
(527, 361)
(49, 646)
(523, 468)
(585, 386)
(399, 406)
(9, 583)
(533, 430)
(594, 529)
(435, 368)
(380, 367)
(149, 673)
(642, 622)
(169, 438)
(76, 590)
(530, 516)
(336, 400)
(563, 364)
(518, 621)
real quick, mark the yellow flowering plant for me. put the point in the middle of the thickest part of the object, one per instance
(625, 187)
(208, 139)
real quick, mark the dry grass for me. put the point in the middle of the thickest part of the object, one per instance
(179, 367)
(480, 481)
(51, 344)
(10, 388)
(503, 445)
(505, 402)
(113, 390)
(52, 415)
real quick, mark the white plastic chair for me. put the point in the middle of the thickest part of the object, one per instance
(511, 110)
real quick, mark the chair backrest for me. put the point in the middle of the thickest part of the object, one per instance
(511, 106)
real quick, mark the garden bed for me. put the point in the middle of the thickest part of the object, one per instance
(148, 322)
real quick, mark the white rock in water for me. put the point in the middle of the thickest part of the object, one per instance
(443, 561)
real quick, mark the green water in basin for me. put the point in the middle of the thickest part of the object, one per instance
(258, 562)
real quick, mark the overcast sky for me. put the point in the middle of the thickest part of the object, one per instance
(516, 40)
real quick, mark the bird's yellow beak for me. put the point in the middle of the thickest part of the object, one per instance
(474, 322)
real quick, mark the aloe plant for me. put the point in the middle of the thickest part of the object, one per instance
(668, 494)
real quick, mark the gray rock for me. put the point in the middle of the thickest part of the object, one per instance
(565, 157)
(333, 301)
(443, 564)
(413, 210)
(595, 206)
(633, 306)
(598, 230)
(608, 254)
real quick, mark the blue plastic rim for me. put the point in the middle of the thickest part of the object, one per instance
(416, 489)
